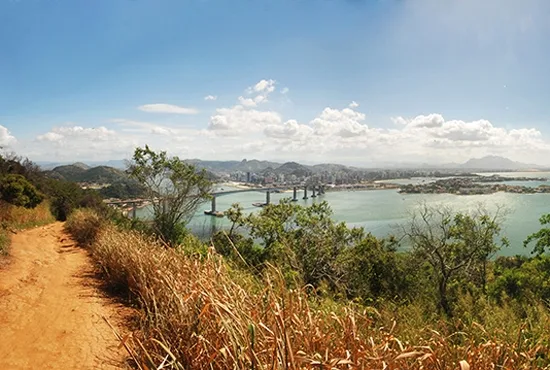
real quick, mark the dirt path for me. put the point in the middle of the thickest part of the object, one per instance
(51, 311)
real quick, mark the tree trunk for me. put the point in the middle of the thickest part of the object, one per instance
(443, 301)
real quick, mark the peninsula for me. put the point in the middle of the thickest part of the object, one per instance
(475, 185)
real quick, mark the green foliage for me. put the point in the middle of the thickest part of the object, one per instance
(373, 269)
(177, 186)
(522, 279)
(456, 246)
(122, 190)
(542, 237)
(16, 190)
(306, 243)
(67, 196)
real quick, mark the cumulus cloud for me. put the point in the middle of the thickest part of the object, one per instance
(335, 134)
(211, 97)
(291, 130)
(264, 86)
(76, 132)
(50, 136)
(167, 108)
(79, 142)
(238, 119)
(6, 138)
(262, 90)
(344, 123)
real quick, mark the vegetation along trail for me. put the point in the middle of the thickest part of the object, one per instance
(51, 311)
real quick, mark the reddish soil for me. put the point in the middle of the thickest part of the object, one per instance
(52, 312)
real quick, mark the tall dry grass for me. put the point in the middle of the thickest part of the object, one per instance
(199, 313)
(14, 218)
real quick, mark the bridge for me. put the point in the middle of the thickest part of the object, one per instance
(319, 189)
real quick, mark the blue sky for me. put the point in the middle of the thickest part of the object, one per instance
(351, 81)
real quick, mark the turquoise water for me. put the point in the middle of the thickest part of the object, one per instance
(381, 211)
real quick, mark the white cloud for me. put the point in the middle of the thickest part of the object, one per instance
(167, 108)
(238, 119)
(429, 121)
(262, 89)
(285, 90)
(289, 130)
(211, 97)
(143, 127)
(82, 143)
(343, 123)
(264, 86)
(247, 102)
(6, 138)
(50, 136)
(71, 132)
(344, 135)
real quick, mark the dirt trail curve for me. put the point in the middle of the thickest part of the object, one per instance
(51, 311)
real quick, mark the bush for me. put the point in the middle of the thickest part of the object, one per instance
(16, 190)
(67, 196)
(84, 225)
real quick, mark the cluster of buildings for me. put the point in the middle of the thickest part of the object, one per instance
(346, 176)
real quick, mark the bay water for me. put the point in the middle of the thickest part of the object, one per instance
(382, 211)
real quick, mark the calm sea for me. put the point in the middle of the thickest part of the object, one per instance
(382, 211)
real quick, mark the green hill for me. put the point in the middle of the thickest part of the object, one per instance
(120, 184)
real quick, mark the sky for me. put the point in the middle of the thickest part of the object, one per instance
(357, 82)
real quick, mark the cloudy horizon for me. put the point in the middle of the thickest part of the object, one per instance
(419, 81)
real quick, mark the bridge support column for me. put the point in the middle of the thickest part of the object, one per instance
(313, 195)
(213, 208)
(305, 193)
(134, 209)
(294, 194)
(267, 197)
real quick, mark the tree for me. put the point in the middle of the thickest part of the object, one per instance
(177, 189)
(15, 189)
(542, 237)
(453, 244)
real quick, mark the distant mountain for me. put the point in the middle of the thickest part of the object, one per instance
(331, 167)
(232, 166)
(492, 162)
(79, 172)
(46, 166)
(255, 165)
(293, 168)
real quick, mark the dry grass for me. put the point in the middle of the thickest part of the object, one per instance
(201, 314)
(84, 225)
(22, 218)
(14, 218)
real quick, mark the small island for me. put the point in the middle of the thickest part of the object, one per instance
(475, 185)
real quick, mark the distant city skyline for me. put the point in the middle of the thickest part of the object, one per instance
(354, 82)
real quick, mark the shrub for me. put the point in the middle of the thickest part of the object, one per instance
(84, 225)
(16, 190)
